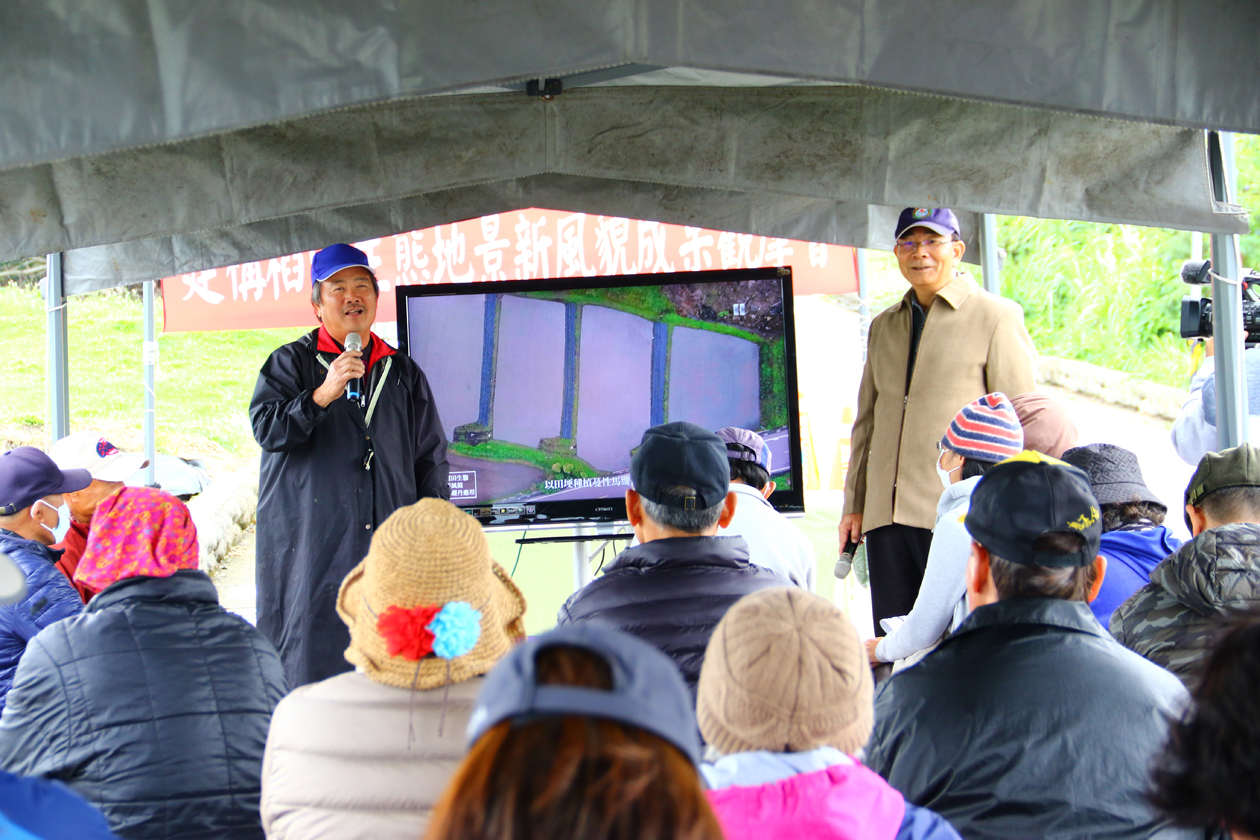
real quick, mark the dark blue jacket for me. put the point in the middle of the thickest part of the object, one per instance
(1030, 722)
(35, 809)
(49, 598)
(153, 705)
(672, 593)
(1131, 555)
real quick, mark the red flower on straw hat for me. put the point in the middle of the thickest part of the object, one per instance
(406, 631)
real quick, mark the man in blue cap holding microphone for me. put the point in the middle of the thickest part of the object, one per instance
(349, 434)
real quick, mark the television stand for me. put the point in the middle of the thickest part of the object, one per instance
(584, 535)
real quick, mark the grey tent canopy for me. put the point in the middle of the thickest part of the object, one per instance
(150, 138)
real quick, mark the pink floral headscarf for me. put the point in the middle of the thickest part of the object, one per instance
(137, 532)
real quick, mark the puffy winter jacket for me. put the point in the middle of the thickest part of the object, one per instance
(672, 593)
(49, 598)
(341, 762)
(153, 705)
(822, 795)
(1174, 619)
(1030, 722)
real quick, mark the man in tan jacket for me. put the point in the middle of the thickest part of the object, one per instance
(919, 372)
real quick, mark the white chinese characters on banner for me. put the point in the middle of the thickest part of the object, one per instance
(521, 245)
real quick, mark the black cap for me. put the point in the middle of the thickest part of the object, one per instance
(1114, 474)
(1029, 496)
(648, 690)
(681, 455)
(27, 475)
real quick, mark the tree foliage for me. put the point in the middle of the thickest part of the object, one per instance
(1110, 294)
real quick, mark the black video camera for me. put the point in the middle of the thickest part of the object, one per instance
(1196, 313)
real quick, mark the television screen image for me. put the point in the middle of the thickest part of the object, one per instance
(545, 387)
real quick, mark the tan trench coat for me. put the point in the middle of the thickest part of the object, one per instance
(973, 343)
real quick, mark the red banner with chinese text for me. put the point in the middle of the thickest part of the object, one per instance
(521, 245)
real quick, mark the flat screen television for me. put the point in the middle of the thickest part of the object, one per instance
(545, 387)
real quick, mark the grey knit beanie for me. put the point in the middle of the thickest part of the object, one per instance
(785, 672)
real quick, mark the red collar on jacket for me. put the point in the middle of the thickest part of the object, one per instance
(378, 349)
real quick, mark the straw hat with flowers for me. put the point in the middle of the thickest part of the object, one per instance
(428, 606)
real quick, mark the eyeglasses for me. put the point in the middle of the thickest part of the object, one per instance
(941, 447)
(908, 247)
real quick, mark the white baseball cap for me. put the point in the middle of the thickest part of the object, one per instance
(90, 451)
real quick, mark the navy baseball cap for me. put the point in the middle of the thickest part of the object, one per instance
(681, 455)
(940, 219)
(1032, 495)
(27, 475)
(332, 259)
(648, 690)
(745, 445)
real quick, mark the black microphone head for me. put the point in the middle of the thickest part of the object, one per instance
(354, 341)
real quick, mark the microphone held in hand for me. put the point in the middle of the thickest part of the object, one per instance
(845, 564)
(354, 388)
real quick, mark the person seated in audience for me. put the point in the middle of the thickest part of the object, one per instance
(583, 733)
(1134, 538)
(981, 434)
(784, 705)
(1030, 721)
(37, 809)
(673, 588)
(1173, 620)
(1048, 427)
(367, 753)
(1206, 777)
(31, 491)
(153, 704)
(774, 543)
(110, 468)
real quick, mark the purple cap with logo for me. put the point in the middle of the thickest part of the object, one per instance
(745, 445)
(939, 219)
(27, 475)
(332, 259)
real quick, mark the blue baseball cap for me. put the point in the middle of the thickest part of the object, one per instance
(332, 259)
(27, 475)
(940, 219)
(648, 690)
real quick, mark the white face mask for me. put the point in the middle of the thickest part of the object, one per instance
(63, 521)
(944, 474)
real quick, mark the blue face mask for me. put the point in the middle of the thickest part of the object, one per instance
(63, 521)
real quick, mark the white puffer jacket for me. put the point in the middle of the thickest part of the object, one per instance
(339, 765)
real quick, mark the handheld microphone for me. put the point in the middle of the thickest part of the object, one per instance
(354, 387)
(845, 564)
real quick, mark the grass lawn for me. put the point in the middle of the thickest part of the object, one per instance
(204, 380)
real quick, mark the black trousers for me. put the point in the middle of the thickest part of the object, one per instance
(896, 556)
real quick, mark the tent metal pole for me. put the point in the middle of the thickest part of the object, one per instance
(864, 309)
(150, 369)
(58, 372)
(990, 266)
(1231, 380)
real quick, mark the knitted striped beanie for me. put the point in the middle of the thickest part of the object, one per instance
(986, 430)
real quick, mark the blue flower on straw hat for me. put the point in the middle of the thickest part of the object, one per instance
(456, 629)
